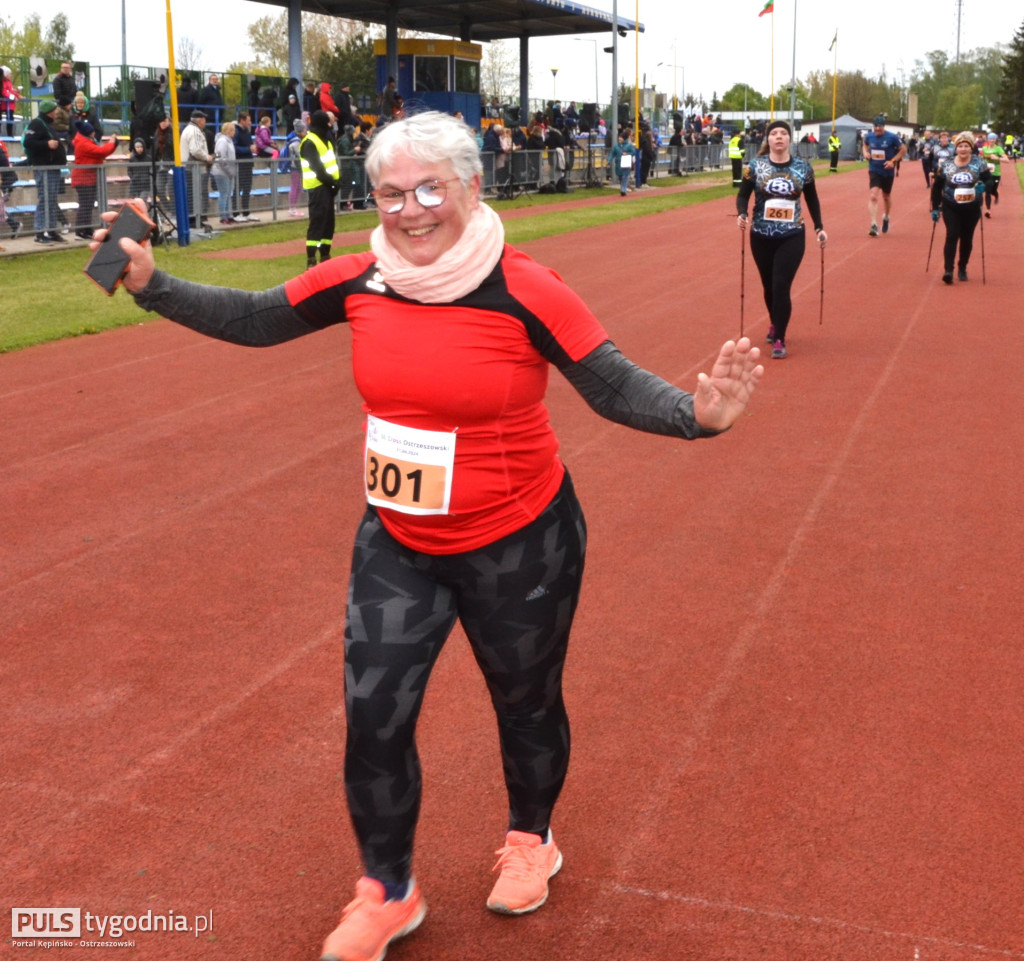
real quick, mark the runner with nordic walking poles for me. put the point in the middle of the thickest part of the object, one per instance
(781, 185)
(957, 190)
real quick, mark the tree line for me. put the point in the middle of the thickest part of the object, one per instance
(985, 88)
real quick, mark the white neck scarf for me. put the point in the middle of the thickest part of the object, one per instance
(457, 272)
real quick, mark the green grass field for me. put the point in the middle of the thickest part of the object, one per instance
(47, 297)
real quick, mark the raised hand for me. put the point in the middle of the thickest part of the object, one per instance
(723, 395)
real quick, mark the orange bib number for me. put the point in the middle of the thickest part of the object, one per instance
(784, 210)
(407, 469)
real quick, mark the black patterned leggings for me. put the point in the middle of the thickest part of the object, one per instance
(515, 599)
(960, 221)
(777, 260)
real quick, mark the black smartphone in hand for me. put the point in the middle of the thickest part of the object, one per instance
(109, 263)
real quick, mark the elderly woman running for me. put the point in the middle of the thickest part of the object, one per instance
(470, 516)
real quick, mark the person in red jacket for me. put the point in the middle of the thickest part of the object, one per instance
(327, 101)
(88, 156)
(9, 96)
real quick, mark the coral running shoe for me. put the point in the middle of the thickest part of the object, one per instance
(369, 923)
(526, 864)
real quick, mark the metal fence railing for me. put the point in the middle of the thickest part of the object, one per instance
(76, 195)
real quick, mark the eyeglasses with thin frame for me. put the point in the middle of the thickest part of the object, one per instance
(430, 193)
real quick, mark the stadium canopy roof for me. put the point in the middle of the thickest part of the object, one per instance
(465, 20)
(471, 20)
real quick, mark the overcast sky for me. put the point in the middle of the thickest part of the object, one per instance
(700, 48)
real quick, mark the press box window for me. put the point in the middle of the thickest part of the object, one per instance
(432, 73)
(467, 76)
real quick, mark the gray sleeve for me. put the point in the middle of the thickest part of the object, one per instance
(251, 318)
(620, 391)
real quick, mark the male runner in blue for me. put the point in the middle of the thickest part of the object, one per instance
(883, 150)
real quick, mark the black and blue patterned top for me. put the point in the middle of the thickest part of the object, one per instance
(780, 191)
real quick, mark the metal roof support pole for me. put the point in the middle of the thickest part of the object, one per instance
(613, 120)
(391, 34)
(524, 80)
(295, 39)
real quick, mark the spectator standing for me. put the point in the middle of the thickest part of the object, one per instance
(572, 117)
(291, 110)
(293, 145)
(210, 100)
(647, 156)
(536, 138)
(320, 177)
(386, 100)
(196, 159)
(361, 143)
(81, 110)
(493, 147)
(139, 181)
(675, 152)
(347, 165)
(163, 156)
(88, 156)
(8, 178)
(623, 159)
(268, 106)
(310, 100)
(64, 85)
(9, 97)
(327, 102)
(346, 115)
(253, 100)
(223, 170)
(186, 100)
(45, 152)
(245, 151)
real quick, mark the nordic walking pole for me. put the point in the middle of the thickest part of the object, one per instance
(821, 303)
(935, 224)
(981, 220)
(743, 264)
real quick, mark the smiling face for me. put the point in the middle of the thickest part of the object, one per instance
(963, 150)
(422, 234)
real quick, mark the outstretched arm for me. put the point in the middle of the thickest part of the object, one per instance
(619, 390)
(722, 396)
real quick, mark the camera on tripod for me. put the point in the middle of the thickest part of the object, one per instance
(150, 112)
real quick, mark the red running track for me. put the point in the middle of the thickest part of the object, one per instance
(796, 675)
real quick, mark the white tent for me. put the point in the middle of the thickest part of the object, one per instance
(847, 128)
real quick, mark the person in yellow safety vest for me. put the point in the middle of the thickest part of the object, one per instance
(736, 156)
(320, 179)
(834, 143)
(1008, 146)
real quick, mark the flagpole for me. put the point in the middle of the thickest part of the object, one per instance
(772, 102)
(835, 60)
(792, 89)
